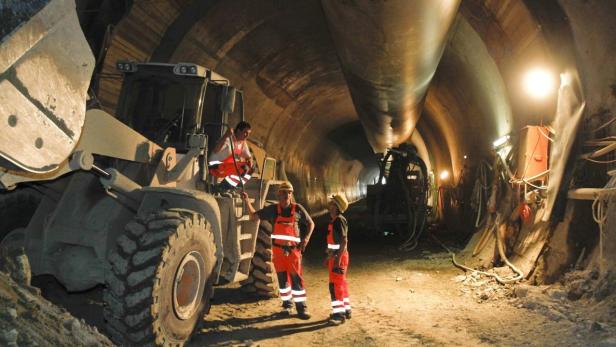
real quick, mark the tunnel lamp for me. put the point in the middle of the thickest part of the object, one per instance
(465, 156)
(539, 83)
(444, 175)
(500, 141)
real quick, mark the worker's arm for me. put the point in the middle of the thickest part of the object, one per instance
(341, 228)
(221, 141)
(310, 225)
(246, 154)
(343, 248)
(251, 210)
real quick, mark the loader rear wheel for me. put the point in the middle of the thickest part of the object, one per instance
(262, 280)
(16, 209)
(160, 281)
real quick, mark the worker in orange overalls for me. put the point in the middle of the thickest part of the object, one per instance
(231, 159)
(338, 259)
(287, 246)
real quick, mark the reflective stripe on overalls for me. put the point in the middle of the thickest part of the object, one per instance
(284, 228)
(227, 169)
(338, 286)
(287, 257)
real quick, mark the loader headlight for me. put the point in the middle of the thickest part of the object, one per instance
(126, 66)
(186, 69)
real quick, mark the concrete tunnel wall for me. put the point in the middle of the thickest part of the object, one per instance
(281, 54)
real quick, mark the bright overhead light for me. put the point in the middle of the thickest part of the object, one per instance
(444, 175)
(539, 83)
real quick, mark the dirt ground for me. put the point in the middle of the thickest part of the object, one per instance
(399, 299)
(402, 299)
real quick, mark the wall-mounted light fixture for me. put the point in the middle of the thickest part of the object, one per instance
(501, 141)
(444, 175)
(540, 82)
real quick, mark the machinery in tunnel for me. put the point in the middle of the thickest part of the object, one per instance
(398, 201)
(327, 83)
(127, 203)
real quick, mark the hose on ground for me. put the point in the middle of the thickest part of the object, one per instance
(501, 251)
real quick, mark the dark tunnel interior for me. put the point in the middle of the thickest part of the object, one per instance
(300, 92)
(483, 130)
(329, 85)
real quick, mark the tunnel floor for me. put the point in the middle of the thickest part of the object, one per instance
(400, 300)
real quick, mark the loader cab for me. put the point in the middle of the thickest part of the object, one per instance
(167, 103)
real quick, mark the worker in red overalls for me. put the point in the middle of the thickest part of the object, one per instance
(338, 259)
(231, 159)
(287, 246)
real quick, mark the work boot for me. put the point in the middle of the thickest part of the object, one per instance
(336, 319)
(347, 314)
(302, 312)
(287, 308)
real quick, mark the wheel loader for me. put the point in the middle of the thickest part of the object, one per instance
(125, 201)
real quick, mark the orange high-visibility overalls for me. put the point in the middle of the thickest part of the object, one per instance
(227, 167)
(287, 258)
(338, 286)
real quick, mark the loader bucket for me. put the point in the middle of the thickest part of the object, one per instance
(45, 69)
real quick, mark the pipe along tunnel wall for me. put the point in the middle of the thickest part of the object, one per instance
(297, 67)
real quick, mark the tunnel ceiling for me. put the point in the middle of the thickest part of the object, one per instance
(285, 58)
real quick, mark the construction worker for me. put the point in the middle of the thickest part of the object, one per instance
(231, 158)
(338, 259)
(287, 246)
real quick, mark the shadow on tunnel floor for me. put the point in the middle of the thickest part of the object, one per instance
(238, 332)
(233, 295)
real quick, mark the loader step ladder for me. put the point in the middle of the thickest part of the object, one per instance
(247, 232)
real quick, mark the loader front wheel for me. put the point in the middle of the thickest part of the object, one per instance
(262, 280)
(160, 279)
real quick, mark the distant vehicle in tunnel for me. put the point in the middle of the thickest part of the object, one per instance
(398, 201)
(130, 204)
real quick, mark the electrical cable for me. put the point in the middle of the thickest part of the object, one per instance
(501, 250)
(544, 135)
(604, 125)
(534, 186)
(491, 229)
(602, 151)
(599, 212)
(601, 161)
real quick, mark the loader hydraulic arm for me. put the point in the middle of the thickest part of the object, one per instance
(197, 143)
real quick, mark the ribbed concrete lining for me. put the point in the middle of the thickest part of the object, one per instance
(281, 54)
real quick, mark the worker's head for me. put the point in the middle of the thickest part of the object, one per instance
(337, 204)
(285, 193)
(242, 130)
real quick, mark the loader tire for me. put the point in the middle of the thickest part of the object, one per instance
(262, 280)
(160, 280)
(16, 209)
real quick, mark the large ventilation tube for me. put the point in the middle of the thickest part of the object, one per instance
(389, 51)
